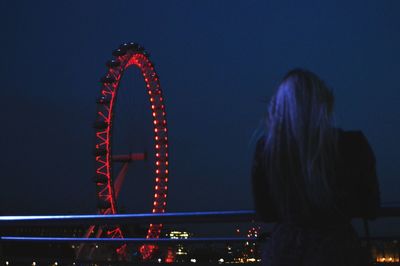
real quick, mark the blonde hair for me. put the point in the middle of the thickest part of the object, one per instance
(300, 142)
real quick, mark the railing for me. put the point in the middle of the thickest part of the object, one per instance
(164, 218)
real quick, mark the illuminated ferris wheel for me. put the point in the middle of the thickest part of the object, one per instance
(108, 185)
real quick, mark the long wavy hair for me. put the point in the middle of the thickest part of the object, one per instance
(300, 144)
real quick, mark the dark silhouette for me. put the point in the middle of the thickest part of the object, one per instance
(312, 178)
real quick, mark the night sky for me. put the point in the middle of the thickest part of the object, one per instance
(218, 62)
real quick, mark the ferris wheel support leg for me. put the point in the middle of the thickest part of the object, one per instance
(120, 179)
(98, 234)
(81, 246)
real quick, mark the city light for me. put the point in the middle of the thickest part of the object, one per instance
(388, 259)
(178, 235)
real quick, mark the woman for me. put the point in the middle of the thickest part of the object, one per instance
(312, 178)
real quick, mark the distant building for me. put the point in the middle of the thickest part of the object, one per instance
(178, 252)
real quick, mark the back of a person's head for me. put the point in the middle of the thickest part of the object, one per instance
(303, 103)
(300, 138)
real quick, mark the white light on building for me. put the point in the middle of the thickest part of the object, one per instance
(178, 235)
(193, 260)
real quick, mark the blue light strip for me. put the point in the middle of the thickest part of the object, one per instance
(126, 240)
(179, 217)
(182, 217)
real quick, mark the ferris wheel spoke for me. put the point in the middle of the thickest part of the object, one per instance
(123, 158)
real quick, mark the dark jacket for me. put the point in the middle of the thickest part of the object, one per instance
(322, 237)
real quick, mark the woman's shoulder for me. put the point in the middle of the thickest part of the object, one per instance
(350, 135)
(351, 141)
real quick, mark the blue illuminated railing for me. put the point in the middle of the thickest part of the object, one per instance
(165, 218)
(180, 217)
(12, 222)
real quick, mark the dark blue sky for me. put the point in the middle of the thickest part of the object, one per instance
(218, 63)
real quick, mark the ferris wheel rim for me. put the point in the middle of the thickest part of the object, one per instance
(127, 55)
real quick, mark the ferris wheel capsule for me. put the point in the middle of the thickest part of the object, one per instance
(119, 52)
(107, 79)
(113, 63)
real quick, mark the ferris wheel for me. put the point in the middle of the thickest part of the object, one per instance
(108, 184)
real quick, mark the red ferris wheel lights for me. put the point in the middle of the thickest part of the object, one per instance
(102, 115)
(130, 54)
